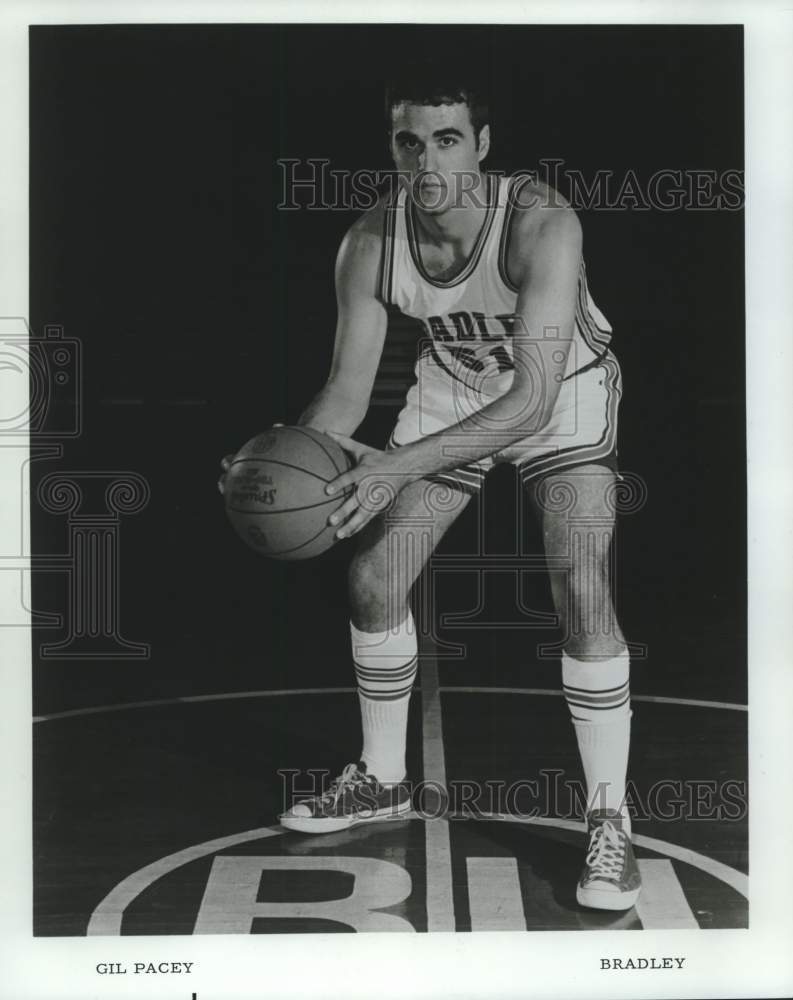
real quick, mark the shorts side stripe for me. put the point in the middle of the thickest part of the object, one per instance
(581, 454)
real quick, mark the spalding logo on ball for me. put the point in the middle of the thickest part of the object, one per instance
(275, 492)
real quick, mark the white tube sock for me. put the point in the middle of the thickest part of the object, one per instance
(598, 696)
(385, 669)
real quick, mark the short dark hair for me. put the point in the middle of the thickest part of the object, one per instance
(430, 84)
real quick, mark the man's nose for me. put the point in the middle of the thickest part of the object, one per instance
(426, 160)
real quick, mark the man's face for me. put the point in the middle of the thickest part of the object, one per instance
(435, 149)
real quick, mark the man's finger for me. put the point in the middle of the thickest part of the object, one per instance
(340, 516)
(340, 483)
(356, 522)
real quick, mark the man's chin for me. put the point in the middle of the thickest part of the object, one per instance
(434, 199)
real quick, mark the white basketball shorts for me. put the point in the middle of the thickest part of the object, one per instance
(582, 428)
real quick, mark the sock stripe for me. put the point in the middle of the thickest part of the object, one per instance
(596, 699)
(396, 673)
(391, 684)
(386, 695)
(619, 687)
(386, 682)
(388, 679)
(385, 669)
(599, 708)
(381, 692)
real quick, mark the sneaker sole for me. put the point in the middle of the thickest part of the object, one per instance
(327, 824)
(602, 899)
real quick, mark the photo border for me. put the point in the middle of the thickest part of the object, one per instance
(721, 963)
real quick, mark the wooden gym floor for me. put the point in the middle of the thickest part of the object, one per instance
(159, 817)
(157, 784)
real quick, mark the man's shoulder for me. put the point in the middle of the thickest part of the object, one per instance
(358, 260)
(541, 212)
(367, 230)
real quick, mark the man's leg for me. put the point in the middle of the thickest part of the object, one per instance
(576, 508)
(391, 555)
(392, 551)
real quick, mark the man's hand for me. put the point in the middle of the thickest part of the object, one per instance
(225, 464)
(376, 477)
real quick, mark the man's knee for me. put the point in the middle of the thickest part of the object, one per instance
(581, 492)
(377, 601)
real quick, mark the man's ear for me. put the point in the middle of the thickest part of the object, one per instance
(484, 142)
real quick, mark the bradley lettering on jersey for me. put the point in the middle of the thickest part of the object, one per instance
(472, 328)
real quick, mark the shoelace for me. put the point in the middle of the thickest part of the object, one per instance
(349, 778)
(606, 852)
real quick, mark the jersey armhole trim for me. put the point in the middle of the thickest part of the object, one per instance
(595, 338)
(514, 189)
(387, 253)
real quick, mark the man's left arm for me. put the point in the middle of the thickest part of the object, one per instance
(545, 257)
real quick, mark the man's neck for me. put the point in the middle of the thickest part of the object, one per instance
(459, 224)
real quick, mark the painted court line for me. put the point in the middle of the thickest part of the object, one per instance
(494, 895)
(440, 904)
(190, 700)
(662, 904)
(660, 699)
(291, 692)
(106, 918)
(108, 915)
(731, 876)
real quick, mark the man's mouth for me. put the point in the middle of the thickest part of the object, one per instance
(431, 186)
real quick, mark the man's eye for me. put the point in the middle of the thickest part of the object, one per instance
(448, 140)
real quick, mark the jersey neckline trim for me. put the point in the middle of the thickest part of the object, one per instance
(479, 245)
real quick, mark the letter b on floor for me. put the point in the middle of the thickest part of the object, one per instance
(230, 902)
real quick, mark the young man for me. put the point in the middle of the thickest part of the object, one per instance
(516, 368)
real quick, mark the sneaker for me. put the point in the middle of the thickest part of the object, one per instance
(354, 797)
(610, 879)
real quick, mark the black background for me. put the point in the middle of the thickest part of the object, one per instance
(205, 314)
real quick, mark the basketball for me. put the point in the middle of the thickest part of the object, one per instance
(275, 492)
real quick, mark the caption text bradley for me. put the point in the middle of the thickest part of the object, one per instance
(642, 963)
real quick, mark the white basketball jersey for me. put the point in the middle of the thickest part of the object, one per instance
(470, 320)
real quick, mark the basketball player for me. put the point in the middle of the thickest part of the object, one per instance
(516, 368)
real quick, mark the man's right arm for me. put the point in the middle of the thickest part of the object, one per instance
(342, 403)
